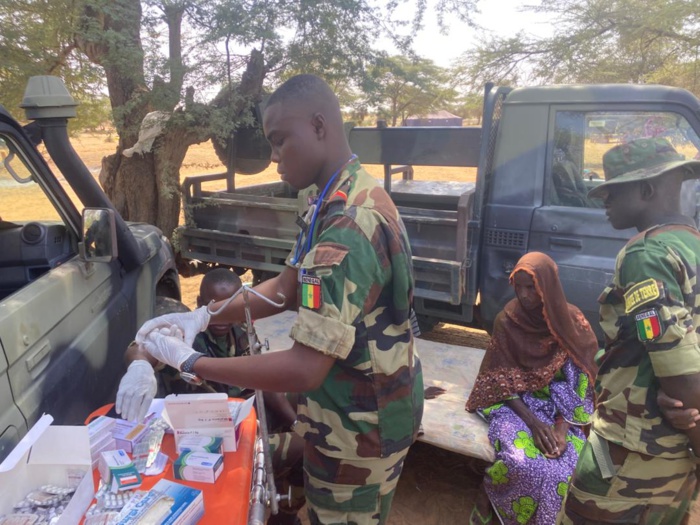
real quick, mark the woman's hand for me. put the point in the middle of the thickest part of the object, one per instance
(561, 429)
(544, 438)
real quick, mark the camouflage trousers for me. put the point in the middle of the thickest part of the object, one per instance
(640, 489)
(350, 492)
(287, 450)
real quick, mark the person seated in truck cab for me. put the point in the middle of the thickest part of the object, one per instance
(568, 184)
(535, 389)
(139, 386)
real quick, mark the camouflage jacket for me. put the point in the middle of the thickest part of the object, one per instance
(650, 317)
(233, 344)
(355, 294)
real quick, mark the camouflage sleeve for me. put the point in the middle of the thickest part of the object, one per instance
(340, 278)
(658, 289)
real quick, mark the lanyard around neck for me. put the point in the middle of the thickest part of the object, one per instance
(308, 238)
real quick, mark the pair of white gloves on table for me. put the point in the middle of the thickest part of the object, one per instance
(167, 338)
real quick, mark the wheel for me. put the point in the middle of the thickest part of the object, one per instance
(426, 323)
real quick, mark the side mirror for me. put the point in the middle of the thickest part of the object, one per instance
(99, 235)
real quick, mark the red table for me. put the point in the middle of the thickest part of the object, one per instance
(226, 501)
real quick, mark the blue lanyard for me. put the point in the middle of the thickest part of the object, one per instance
(312, 225)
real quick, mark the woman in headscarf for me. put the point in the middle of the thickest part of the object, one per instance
(535, 389)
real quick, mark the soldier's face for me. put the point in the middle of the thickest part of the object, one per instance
(297, 143)
(623, 204)
(217, 292)
(526, 292)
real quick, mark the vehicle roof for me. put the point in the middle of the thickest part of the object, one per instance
(589, 93)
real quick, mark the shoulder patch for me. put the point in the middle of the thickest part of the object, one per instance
(310, 291)
(641, 294)
(648, 325)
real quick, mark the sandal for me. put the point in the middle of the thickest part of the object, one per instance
(475, 518)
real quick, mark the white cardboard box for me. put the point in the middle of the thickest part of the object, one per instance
(206, 415)
(56, 455)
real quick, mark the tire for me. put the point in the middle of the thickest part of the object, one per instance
(168, 305)
(426, 324)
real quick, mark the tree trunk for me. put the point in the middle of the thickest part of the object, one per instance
(145, 187)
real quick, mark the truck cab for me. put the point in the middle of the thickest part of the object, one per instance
(68, 308)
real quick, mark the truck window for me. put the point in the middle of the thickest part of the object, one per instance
(21, 198)
(581, 138)
(33, 237)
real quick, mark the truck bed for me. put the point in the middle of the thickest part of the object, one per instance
(255, 227)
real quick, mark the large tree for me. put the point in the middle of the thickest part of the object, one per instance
(401, 86)
(194, 66)
(637, 41)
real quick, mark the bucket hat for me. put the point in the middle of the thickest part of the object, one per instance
(642, 159)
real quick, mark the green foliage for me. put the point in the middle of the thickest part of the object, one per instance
(36, 39)
(595, 41)
(400, 87)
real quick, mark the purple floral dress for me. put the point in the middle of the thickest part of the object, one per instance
(523, 485)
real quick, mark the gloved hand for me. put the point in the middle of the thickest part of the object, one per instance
(191, 323)
(136, 391)
(167, 349)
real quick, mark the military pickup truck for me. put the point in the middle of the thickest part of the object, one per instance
(536, 155)
(73, 290)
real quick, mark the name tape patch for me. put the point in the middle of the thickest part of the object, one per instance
(641, 294)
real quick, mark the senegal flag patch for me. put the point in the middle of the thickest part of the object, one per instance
(648, 325)
(310, 291)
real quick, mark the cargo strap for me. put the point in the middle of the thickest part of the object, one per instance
(602, 455)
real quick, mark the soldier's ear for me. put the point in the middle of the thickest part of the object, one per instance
(318, 121)
(647, 190)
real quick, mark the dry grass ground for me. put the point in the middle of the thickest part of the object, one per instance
(437, 487)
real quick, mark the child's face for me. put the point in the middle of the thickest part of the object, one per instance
(624, 204)
(217, 292)
(297, 144)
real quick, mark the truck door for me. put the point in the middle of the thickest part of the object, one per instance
(56, 311)
(569, 226)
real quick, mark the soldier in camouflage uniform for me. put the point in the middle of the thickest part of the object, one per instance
(636, 467)
(350, 277)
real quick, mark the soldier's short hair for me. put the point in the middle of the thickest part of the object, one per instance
(220, 276)
(304, 88)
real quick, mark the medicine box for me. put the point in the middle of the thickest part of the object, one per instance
(118, 471)
(167, 503)
(49, 454)
(209, 415)
(204, 467)
(100, 427)
(96, 449)
(200, 444)
(127, 434)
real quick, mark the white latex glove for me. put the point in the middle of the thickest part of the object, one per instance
(136, 391)
(167, 349)
(191, 323)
